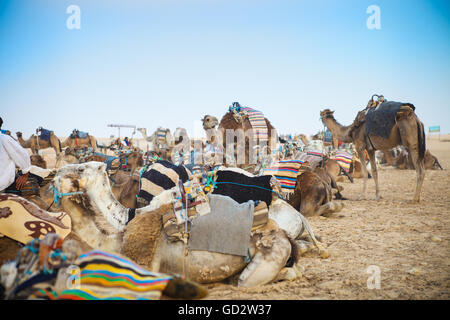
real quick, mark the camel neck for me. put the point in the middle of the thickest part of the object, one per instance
(339, 131)
(101, 197)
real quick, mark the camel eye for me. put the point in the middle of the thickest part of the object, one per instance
(80, 170)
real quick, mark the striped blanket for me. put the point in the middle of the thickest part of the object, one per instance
(344, 159)
(286, 172)
(104, 275)
(160, 176)
(258, 123)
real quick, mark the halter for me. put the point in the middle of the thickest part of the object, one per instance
(58, 195)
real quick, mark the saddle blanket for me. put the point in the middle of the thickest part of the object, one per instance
(286, 172)
(107, 276)
(45, 134)
(258, 123)
(344, 159)
(243, 188)
(380, 120)
(160, 176)
(24, 221)
(226, 229)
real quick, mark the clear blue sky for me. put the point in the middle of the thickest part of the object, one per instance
(168, 63)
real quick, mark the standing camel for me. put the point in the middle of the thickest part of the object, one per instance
(74, 141)
(35, 143)
(407, 131)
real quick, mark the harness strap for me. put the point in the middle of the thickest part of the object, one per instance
(58, 195)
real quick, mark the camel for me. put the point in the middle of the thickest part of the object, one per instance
(407, 131)
(313, 194)
(35, 143)
(65, 157)
(101, 221)
(241, 126)
(37, 160)
(73, 141)
(404, 161)
(155, 143)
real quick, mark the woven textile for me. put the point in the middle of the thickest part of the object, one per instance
(344, 159)
(258, 123)
(286, 172)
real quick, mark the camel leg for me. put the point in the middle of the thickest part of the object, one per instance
(373, 165)
(329, 208)
(267, 263)
(364, 172)
(420, 172)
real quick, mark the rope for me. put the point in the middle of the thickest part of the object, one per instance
(214, 183)
(58, 195)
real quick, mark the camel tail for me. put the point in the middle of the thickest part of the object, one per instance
(421, 139)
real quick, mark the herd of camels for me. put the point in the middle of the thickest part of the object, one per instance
(105, 214)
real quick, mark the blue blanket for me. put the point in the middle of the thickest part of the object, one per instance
(380, 120)
(45, 134)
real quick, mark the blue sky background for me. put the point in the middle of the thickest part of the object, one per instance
(168, 63)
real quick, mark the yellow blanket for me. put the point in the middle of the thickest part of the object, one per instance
(23, 221)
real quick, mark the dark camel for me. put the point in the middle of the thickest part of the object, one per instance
(407, 131)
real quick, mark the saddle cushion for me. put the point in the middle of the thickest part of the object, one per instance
(226, 229)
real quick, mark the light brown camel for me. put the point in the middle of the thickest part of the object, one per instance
(241, 130)
(65, 157)
(73, 142)
(313, 194)
(35, 143)
(407, 131)
(105, 224)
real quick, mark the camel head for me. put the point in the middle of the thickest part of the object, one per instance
(81, 177)
(19, 134)
(38, 161)
(326, 114)
(143, 131)
(209, 122)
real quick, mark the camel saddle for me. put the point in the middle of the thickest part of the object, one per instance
(79, 134)
(380, 116)
(23, 221)
(44, 134)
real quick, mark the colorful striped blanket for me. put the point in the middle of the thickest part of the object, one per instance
(258, 123)
(105, 275)
(344, 159)
(286, 172)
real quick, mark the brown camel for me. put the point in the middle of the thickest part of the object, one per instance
(35, 143)
(407, 131)
(73, 141)
(38, 161)
(404, 161)
(313, 194)
(239, 127)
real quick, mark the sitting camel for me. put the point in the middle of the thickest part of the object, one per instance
(104, 223)
(313, 194)
(404, 161)
(36, 143)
